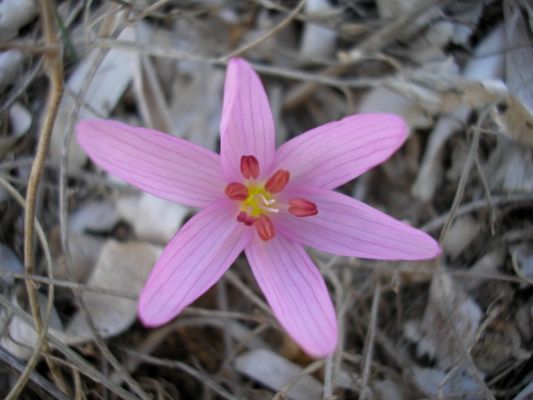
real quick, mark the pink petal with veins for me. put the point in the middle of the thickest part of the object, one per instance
(296, 293)
(163, 165)
(337, 152)
(247, 125)
(348, 227)
(193, 261)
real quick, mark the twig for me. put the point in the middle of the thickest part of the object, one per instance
(314, 366)
(185, 368)
(333, 361)
(369, 346)
(486, 187)
(268, 34)
(518, 271)
(83, 366)
(235, 281)
(54, 70)
(477, 205)
(35, 378)
(78, 391)
(287, 73)
(222, 303)
(446, 311)
(39, 345)
(376, 41)
(464, 176)
(71, 285)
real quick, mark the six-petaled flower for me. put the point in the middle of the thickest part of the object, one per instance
(269, 203)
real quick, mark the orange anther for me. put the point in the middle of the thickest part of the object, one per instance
(278, 181)
(302, 207)
(249, 167)
(264, 227)
(236, 191)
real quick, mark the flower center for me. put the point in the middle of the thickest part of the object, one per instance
(258, 199)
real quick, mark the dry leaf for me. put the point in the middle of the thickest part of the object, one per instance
(448, 309)
(466, 16)
(460, 235)
(9, 262)
(510, 167)
(488, 264)
(94, 216)
(458, 383)
(518, 116)
(480, 68)
(196, 103)
(153, 219)
(10, 64)
(274, 371)
(388, 389)
(84, 251)
(318, 42)
(499, 345)
(149, 95)
(110, 81)
(122, 267)
(19, 123)
(20, 338)
(14, 14)
(381, 99)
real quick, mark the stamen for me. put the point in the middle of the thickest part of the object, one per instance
(264, 227)
(245, 219)
(278, 181)
(249, 167)
(302, 208)
(236, 191)
(266, 204)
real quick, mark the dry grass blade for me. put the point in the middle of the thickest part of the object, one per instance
(35, 378)
(40, 343)
(369, 343)
(74, 358)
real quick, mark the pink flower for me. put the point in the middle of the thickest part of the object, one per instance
(269, 203)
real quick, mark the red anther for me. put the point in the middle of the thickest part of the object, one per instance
(236, 191)
(249, 167)
(264, 227)
(278, 181)
(245, 219)
(302, 207)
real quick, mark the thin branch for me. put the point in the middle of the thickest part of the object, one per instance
(369, 346)
(54, 70)
(84, 367)
(268, 34)
(380, 39)
(39, 345)
(464, 176)
(201, 377)
(37, 379)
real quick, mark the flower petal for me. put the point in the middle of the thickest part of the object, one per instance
(192, 262)
(348, 227)
(157, 163)
(296, 292)
(247, 125)
(337, 152)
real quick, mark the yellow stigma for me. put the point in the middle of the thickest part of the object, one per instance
(259, 201)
